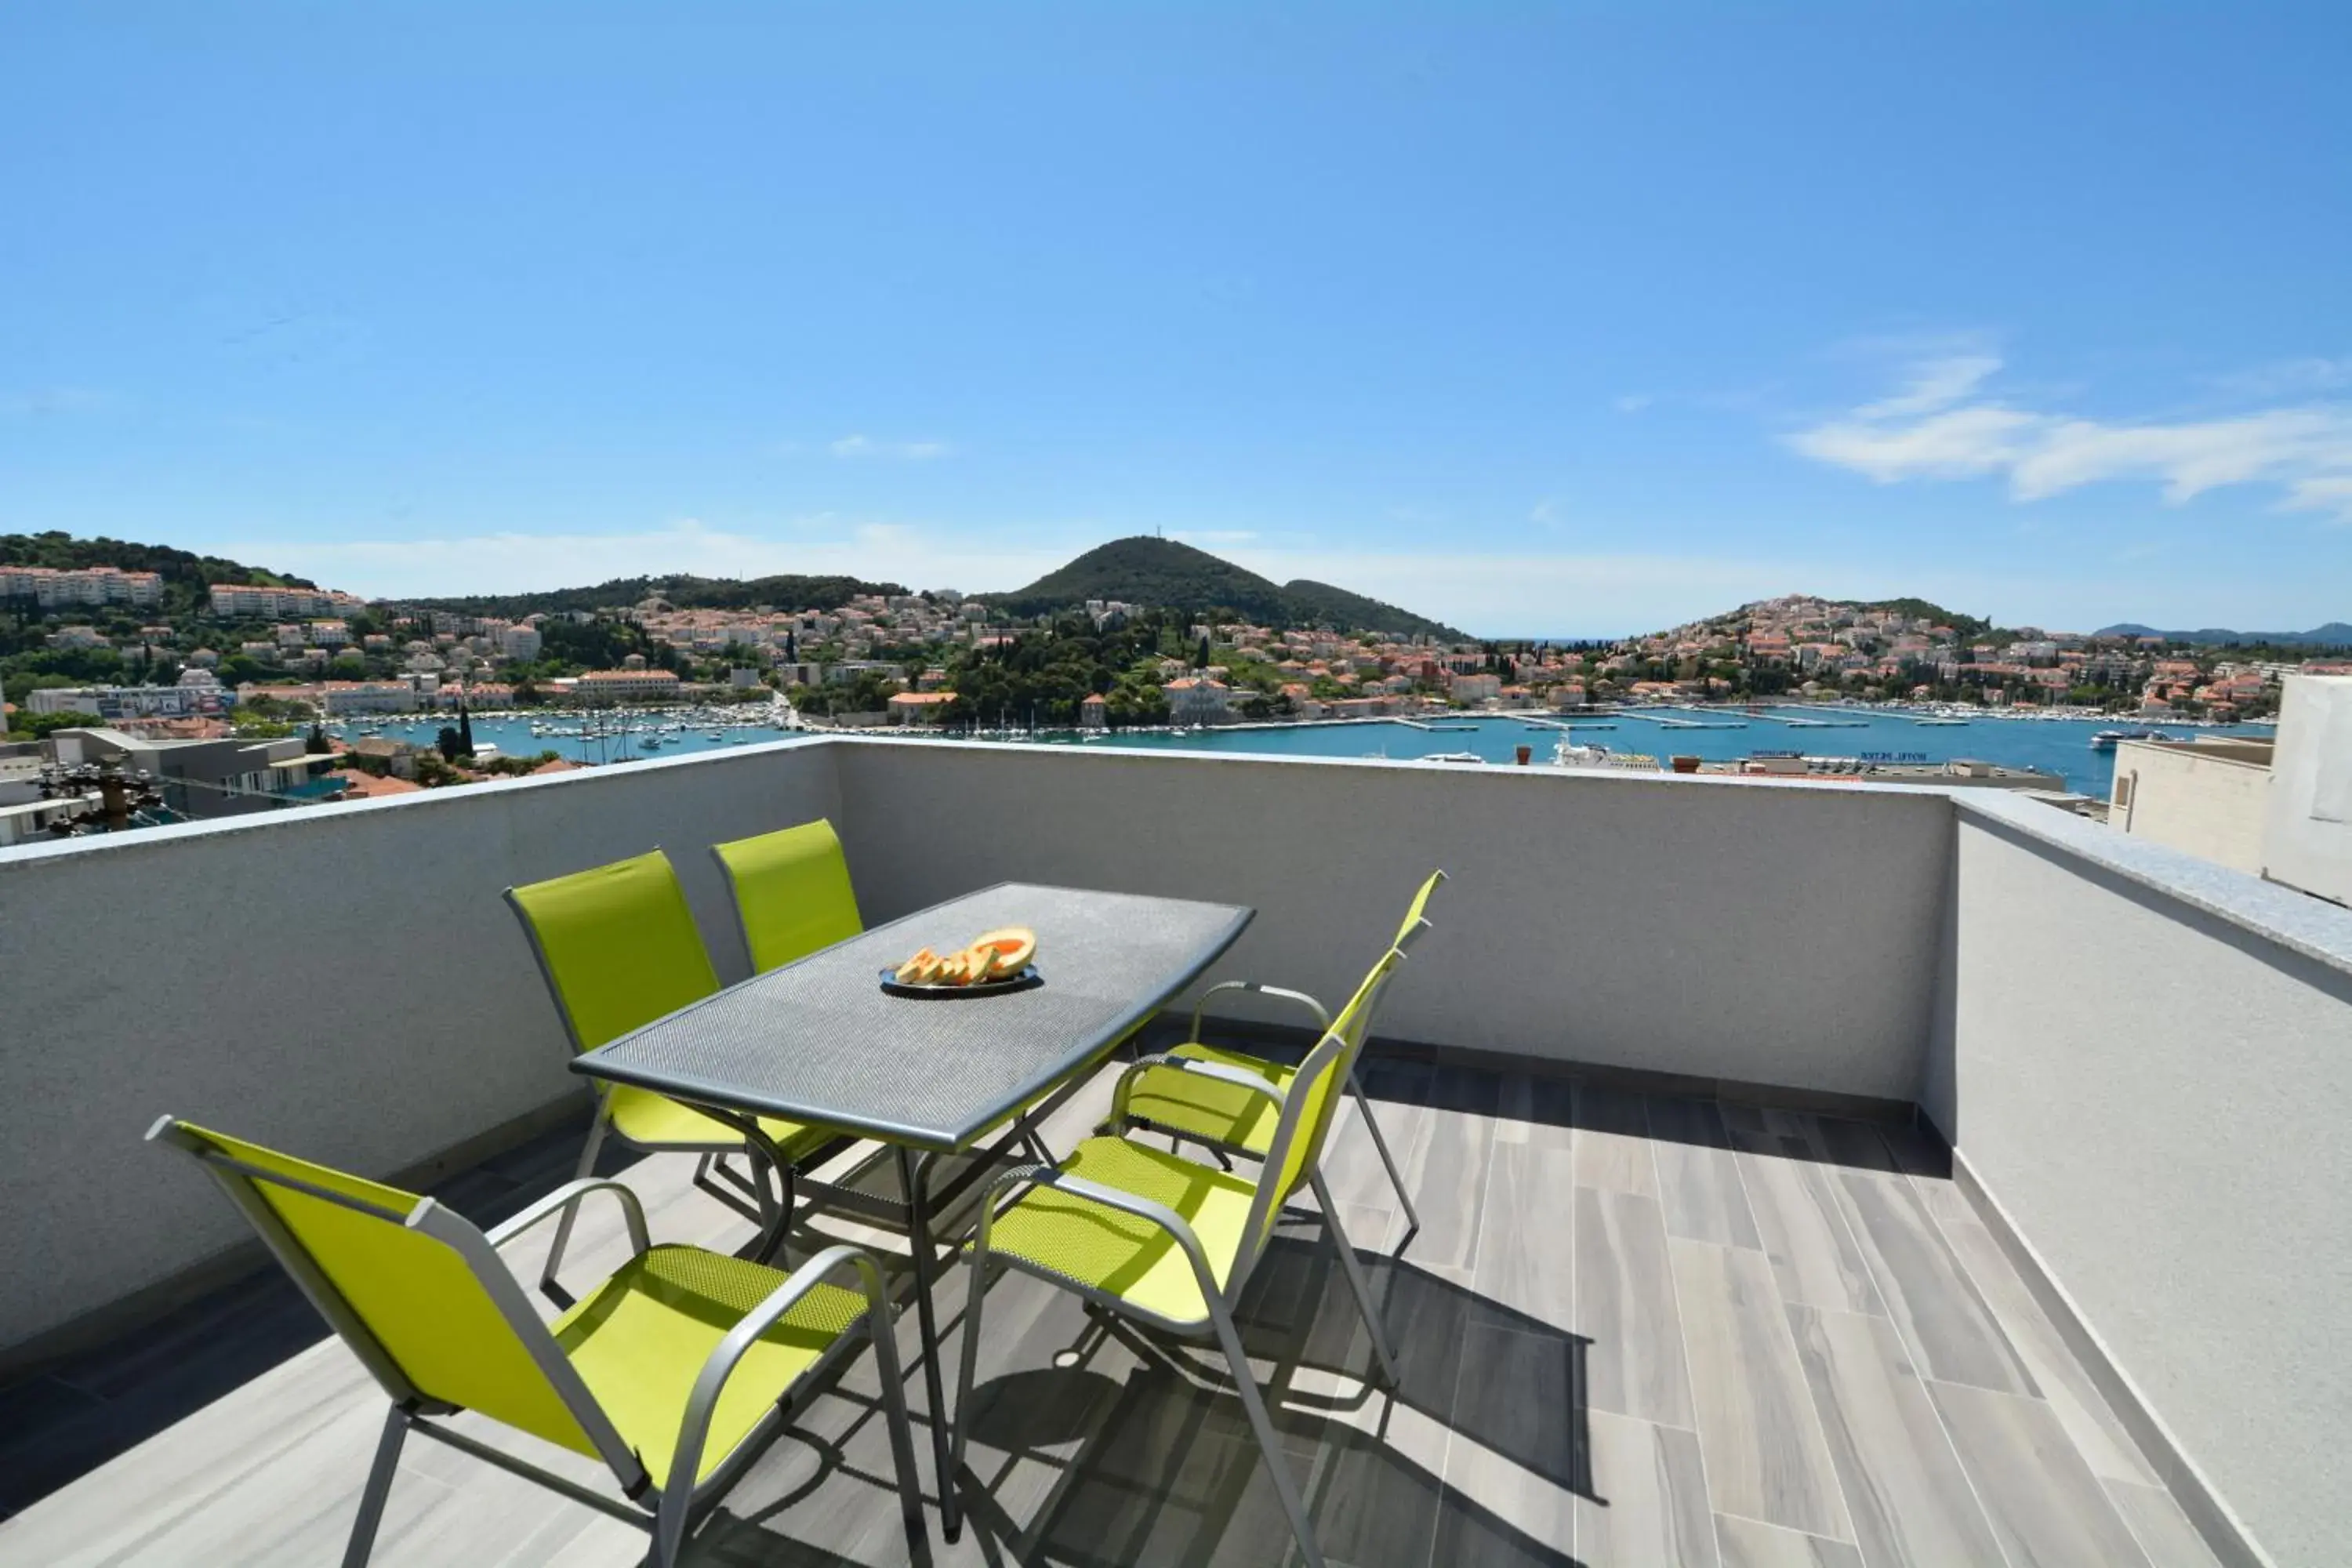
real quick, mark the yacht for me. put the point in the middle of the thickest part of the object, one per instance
(2105, 740)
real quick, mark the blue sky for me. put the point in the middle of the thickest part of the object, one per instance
(1568, 319)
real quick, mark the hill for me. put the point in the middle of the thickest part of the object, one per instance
(2334, 633)
(1163, 572)
(784, 593)
(186, 575)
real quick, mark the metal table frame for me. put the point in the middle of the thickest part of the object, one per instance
(1013, 1119)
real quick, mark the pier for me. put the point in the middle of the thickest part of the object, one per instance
(1534, 723)
(1437, 729)
(1669, 723)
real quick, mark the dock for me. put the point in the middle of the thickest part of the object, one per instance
(1437, 728)
(1667, 723)
(1533, 722)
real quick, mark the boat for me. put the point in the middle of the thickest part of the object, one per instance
(2105, 740)
(1472, 757)
(650, 743)
(1936, 722)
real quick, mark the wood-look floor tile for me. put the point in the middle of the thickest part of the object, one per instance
(1765, 1454)
(1945, 1323)
(1613, 1142)
(1649, 1503)
(1698, 1178)
(2046, 1508)
(1909, 1499)
(1447, 1172)
(1527, 1251)
(2162, 1531)
(1752, 1544)
(1814, 1256)
(1625, 1306)
(1514, 1472)
(1537, 1109)
(2088, 1420)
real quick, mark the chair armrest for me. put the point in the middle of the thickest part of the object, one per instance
(685, 1460)
(1233, 1077)
(1322, 1016)
(563, 1197)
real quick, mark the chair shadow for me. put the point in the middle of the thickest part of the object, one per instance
(1169, 1471)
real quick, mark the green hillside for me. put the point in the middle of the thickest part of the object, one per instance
(783, 593)
(1164, 572)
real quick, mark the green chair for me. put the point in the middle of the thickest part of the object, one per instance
(674, 1371)
(1231, 1119)
(618, 947)
(792, 893)
(1169, 1242)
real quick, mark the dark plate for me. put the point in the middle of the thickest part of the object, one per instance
(1023, 981)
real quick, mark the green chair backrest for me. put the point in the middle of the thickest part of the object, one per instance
(412, 1307)
(1312, 1101)
(792, 892)
(618, 945)
(1420, 910)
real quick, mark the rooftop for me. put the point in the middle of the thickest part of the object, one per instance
(1639, 1329)
(1831, 1175)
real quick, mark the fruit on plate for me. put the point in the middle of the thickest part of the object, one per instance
(997, 955)
(1009, 950)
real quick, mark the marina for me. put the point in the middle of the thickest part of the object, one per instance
(2067, 748)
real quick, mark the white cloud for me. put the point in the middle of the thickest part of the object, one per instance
(1935, 384)
(899, 451)
(1933, 430)
(1545, 512)
(1634, 402)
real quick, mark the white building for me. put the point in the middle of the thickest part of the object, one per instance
(118, 702)
(1197, 700)
(234, 599)
(627, 686)
(520, 642)
(50, 588)
(2279, 810)
(341, 697)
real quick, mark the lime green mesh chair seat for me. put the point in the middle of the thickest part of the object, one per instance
(1189, 1105)
(1153, 1236)
(640, 1339)
(1107, 1250)
(656, 1120)
(1203, 1109)
(618, 947)
(671, 1371)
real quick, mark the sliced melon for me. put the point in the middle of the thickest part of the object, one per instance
(1009, 949)
(911, 973)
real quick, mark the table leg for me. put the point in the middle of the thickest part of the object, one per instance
(914, 1170)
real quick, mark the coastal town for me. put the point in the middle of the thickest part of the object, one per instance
(269, 692)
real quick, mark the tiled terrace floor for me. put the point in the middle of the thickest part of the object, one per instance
(1633, 1330)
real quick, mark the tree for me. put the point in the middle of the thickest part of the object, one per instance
(316, 744)
(450, 743)
(1203, 661)
(40, 726)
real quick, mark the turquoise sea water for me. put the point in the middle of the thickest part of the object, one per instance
(2060, 746)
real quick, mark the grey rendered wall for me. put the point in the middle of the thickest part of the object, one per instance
(1783, 934)
(345, 980)
(2155, 1091)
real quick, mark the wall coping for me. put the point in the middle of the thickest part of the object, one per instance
(2313, 927)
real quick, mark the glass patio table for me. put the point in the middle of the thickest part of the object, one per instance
(819, 1042)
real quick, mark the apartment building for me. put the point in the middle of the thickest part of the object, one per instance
(230, 599)
(50, 588)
